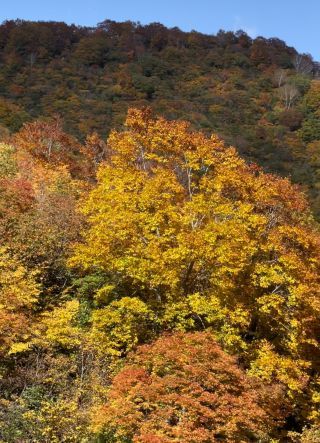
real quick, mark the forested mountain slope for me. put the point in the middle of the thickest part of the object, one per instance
(157, 285)
(257, 94)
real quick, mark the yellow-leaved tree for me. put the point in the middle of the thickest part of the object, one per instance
(18, 295)
(180, 222)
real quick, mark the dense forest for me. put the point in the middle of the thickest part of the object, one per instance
(160, 245)
(258, 95)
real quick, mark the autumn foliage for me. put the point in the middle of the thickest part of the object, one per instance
(185, 388)
(154, 288)
(207, 241)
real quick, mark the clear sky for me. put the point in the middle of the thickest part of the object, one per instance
(295, 21)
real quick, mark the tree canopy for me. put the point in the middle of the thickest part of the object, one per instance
(156, 286)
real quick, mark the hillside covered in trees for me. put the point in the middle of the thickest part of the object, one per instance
(257, 94)
(156, 288)
(157, 285)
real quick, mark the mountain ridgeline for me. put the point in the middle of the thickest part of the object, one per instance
(258, 94)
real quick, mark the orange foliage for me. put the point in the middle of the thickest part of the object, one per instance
(185, 388)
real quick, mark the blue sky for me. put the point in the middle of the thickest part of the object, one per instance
(295, 21)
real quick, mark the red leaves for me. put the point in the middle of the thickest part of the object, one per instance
(47, 142)
(185, 388)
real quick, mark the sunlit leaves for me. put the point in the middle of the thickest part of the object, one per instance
(185, 388)
(18, 295)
